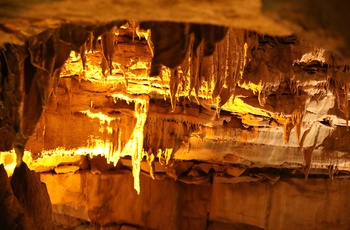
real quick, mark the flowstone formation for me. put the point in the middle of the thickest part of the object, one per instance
(159, 96)
(195, 103)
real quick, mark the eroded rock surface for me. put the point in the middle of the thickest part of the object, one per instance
(257, 101)
(227, 203)
(25, 203)
(217, 124)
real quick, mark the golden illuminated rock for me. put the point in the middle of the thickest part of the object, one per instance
(200, 112)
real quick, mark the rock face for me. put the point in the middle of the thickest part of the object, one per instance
(280, 103)
(224, 204)
(215, 127)
(25, 203)
(12, 213)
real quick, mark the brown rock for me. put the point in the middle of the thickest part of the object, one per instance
(32, 196)
(66, 169)
(235, 171)
(12, 214)
(236, 96)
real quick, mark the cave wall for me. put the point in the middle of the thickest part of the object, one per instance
(288, 99)
(234, 203)
(325, 23)
(241, 138)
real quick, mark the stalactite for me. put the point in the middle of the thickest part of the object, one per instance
(308, 160)
(301, 142)
(221, 50)
(115, 151)
(235, 63)
(88, 43)
(287, 128)
(174, 84)
(345, 105)
(62, 52)
(154, 133)
(293, 87)
(332, 170)
(134, 146)
(287, 124)
(214, 71)
(207, 72)
(150, 159)
(137, 156)
(146, 34)
(297, 117)
(196, 56)
(263, 73)
(340, 90)
(225, 67)
(165, 156)
(96, 31)
(186, 66)
(171, 43)
(222, 70)
(231, 68)
(83, 56)
(107, 41)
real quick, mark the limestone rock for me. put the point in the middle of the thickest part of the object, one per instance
(244, 204)
(66, 169)
(25, 203)
(203, 102)
(13, 216)
(33, 197)
(235, 171)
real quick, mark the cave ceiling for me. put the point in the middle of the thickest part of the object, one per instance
(183, 99)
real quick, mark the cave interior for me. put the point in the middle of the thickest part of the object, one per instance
(182, 115)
